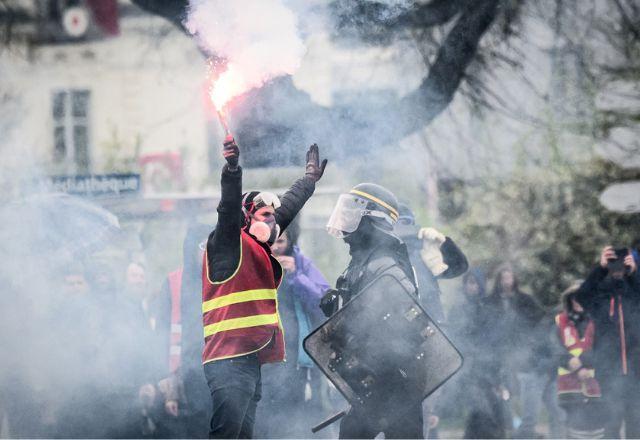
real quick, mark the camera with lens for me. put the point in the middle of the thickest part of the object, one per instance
(617, 264)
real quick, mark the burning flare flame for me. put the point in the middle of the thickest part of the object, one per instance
(227, 86)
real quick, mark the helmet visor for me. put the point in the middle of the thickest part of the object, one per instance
(346, 215)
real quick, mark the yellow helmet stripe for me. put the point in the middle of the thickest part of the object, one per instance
(394, 212)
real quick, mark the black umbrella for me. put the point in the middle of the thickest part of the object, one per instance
(56, 224)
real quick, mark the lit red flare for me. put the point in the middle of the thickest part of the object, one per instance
(223, 122)
(227, 86)
(224, 87)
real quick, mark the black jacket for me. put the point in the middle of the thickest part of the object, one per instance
(223, 246)
(427, 281)
(607, 301)
(386, 255)
(518, 332)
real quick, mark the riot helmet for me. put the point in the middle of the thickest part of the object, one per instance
(363, 200)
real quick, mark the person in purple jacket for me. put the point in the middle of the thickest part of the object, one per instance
(292, 388)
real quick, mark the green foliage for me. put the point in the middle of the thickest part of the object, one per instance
(549, 224)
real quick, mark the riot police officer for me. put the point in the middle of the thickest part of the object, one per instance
(364, 219)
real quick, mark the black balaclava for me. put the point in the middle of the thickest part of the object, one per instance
(574, 315)
(366, 237)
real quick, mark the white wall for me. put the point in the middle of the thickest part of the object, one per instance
(145, 84)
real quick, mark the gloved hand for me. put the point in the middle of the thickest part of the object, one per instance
(314, 169)
(231, 152)
(431, 234)
(329, 302)
(430, 253)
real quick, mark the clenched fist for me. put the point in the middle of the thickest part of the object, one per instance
(231, 152)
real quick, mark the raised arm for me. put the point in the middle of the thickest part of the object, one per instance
(301, 190)
(223, 246)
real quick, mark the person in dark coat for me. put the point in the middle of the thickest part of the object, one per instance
(423, 245)
(611, 296)
(434, 257)
(519, 335)
(293, 387)
(364, 218)
(476, 390)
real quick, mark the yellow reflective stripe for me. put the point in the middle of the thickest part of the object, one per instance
(563, 371)
(576, 352)
(394, 212)
(236, 323)
(238, 297)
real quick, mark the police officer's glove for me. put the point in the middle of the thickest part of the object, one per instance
(430, 253)
(314, 169)
(231, 152)
(431, 234)
(330, 302)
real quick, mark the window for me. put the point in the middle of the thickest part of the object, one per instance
(71, 143)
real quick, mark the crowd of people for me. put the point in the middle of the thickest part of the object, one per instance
(579, 360)
(124, 359)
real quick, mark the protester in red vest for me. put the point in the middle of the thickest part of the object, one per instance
(242, 327)
(578, 390)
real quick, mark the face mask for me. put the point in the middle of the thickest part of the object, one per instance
(265, 232)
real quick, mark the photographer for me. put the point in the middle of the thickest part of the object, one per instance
(611, 296)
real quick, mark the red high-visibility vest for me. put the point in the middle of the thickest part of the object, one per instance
(240, 314)
(567, 381)
(175, 334)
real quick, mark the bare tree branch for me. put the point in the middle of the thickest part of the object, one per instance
(448, 70)
(273, 106)
(173, 10)
(633, 28)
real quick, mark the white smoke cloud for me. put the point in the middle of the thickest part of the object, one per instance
(258, 38)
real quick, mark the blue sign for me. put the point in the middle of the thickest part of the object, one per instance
(94, 185)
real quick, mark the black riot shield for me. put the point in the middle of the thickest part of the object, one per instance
(382, 351)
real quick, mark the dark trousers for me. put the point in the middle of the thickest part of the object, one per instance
(357, 424)
(236, 388)
(585, 419)
(284, 412)
(620, 395)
